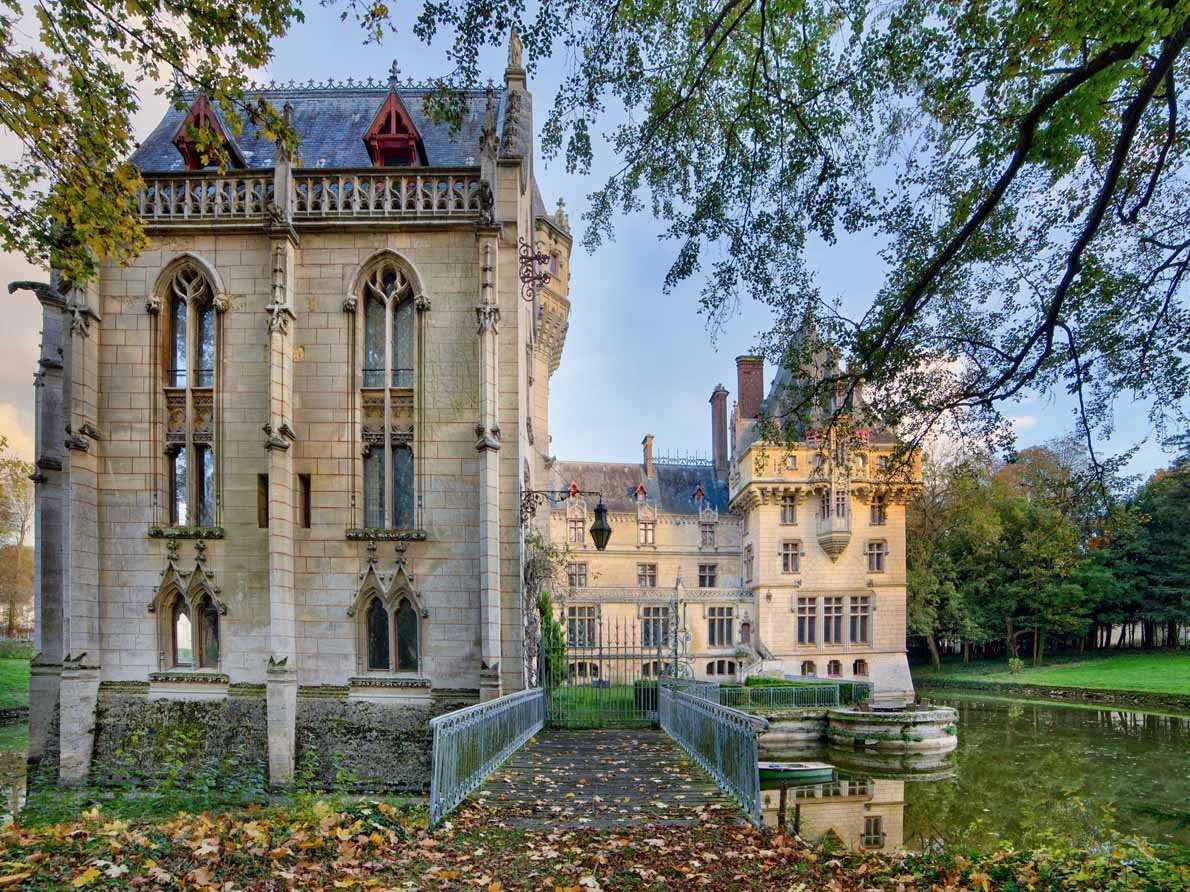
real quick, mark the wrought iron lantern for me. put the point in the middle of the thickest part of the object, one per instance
(601, 530)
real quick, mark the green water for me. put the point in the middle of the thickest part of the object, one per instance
(1023, 771)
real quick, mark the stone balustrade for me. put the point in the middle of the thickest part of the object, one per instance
(316, 196)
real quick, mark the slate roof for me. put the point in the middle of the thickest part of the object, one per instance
(671, 488)
(332, 122)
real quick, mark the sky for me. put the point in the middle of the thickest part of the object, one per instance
(637, 360)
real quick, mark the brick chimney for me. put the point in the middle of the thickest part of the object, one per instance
(647, 443)
(719, 430)
(749, 384)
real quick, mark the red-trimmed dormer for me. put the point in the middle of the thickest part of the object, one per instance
(202, 117)
(392, 139)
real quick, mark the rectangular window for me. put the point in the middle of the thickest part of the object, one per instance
(841, 498)
(654, 630)
(707, 535)
(748, 561)
(832, 620)
(879, 511)
(789, 509)
(877, 552)
(861, 612)
(791, 553)
(882, 464)
(577, 574)
(648, 532)
(873, 837)
(374, 488)
(580, 626)
(824, 504)
(576, 532)
(719, 626)
(403, 501)
(262, 501)
(179, 508)
(646, 575)
(708, 575)
(305, 501)
(204, 472)
(807, 621)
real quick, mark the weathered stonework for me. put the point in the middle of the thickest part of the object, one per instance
(244, 603)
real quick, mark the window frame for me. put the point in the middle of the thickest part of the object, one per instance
(191, 395)
(876, 552)
(878, 510)
(390, 605)
(706, 534)
(646, 575)
(655, 628)
(832, 619)
(789, 510)
(791, 557)
(862, 617)
(708, 575)
(582, 617)
(577, 574)
(721, 626)
(807, 620)
(576, 531)
(646, 533)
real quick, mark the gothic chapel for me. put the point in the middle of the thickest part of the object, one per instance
(280, 456)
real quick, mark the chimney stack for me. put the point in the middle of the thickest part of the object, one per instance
(749, 384)
(719, 430)
(647, 443)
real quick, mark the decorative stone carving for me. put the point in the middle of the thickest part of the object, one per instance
(488, 316)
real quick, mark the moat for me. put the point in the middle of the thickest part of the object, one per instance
(1022, 770)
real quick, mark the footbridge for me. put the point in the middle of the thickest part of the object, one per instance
(507, 753)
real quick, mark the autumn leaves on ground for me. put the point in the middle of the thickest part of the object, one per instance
(374, 845)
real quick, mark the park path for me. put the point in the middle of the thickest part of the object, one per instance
(602, 779)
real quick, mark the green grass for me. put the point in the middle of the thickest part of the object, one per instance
(589, 706)
(14, 683)
(1154, 672)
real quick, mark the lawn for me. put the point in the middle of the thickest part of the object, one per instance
(1153, 672)
(14, 683)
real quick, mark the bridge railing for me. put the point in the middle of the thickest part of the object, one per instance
(780, 696)
(471, 743)
(724, 741)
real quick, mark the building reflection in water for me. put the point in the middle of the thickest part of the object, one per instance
(865, 813)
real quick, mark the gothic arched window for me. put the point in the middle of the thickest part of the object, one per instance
(191, 352)
(377, 636)
(183, 633)
(389, 363)
(406, 637)
(208, 629)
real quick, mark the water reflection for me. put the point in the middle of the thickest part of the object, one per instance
(857, 812)
(1023, 772)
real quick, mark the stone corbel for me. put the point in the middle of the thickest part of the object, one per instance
(280, 315)
(421, 303)
(221, 302)
(350, 303)
(76, 442)
(488, 316)
(275, 439)
(487, 438)
(81, 317)
(152, 305)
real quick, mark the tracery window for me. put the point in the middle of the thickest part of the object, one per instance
(193, 636)
(191, 351)
(391, 636)
(388, 382)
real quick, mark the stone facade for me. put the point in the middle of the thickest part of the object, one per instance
(239, 513)
(779, 559)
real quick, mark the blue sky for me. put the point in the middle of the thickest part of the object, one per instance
(637, 360)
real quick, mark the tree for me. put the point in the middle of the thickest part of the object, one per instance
(70, 199)
(1022, 165)
(16, 523)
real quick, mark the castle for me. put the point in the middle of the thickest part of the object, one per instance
(281, 459)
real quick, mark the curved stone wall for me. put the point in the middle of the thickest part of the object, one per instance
(916, 730)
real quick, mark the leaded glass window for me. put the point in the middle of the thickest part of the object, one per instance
(406, 636)
(191, 352)
(388, 382)
(377, 636)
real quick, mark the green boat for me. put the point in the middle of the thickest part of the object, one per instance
(800, 772)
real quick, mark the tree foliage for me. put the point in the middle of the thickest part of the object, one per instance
(16, 530)
(1022, 166)
(70, 199)
(1026, 549)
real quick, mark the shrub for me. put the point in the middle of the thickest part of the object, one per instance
(1016, 665)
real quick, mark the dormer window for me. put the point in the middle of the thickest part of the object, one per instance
(392, 139)
(199, 120)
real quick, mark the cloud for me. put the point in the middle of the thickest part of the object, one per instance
(1022, 423)
(16, 426)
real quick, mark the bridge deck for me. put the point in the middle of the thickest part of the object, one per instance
(601, 779)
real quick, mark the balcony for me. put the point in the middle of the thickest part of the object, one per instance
(834, 532)
(316, 197)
